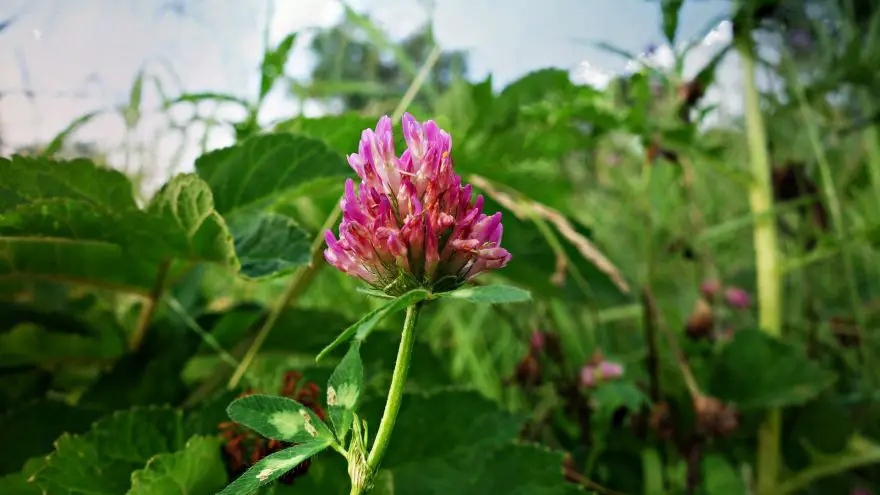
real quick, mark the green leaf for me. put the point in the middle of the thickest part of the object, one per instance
(34, 426)
(362, 328)
(279, 418)
(101, 461)
(490, 294)
(610, 396)
(186, 203)
(670, 9)
(459, 442)
(273, 467)
(263, 167)
(17, 484)
(344, 390)
(758, 371)
(57, 143)
(24, 179)
(273, 64)
(76, 222)
(132, 112)
(341, 133)
(269, 244)
(720, 478)
(196, 469)
(29, 344)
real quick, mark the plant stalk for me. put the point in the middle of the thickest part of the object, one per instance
(395, 392)
(149, 308)
(766, 257)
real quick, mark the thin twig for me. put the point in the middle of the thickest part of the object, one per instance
(149, 308)
(686, 372)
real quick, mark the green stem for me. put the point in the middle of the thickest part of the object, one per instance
(767, 259)
(863, 453)
(395, 392)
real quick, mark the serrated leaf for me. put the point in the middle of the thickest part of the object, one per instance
(87, 229)
(29, 344)
(361, 329)
(256, 171)
(339, 132)
(610, 396)
(195, 469)
(34, 426)
(269, 244)
(24, 179)
(101, 461)
(720, 478)
(344, 390)
(489, 294)
(17, 484)
(279, 418)
(459, 442)
(758, 371)
(187, 203)
(273, 467)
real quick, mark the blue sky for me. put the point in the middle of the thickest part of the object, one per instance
(82, 55)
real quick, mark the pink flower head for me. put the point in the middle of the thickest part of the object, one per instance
(592, 375)
(709, 288)
(737, 298)
(537, 341)
(410, 222)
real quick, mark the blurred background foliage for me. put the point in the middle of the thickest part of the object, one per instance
(626, 208)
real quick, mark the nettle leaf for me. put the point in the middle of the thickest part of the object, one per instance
(279, 418)
(269, 244)
(24, 179)
(758, 371)
(77, 222)
(187, 203)
(29, 344)
(361, 329)
(460, 442)
(33, 427)
(274, 466)
(344, 390)
(489, 294)
(197, 468)
(253, 173)
(339, 132)
(101, 461)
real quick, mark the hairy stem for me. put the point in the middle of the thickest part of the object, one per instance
(767, 258)
(395, 392)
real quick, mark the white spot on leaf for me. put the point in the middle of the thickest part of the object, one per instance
(288, 423)
(264, 474)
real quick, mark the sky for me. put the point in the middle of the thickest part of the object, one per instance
(61, 59)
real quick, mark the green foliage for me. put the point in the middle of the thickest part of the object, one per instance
(273, 467)
(758, 371)
(122, 317)
(102, 460)
(256, 172)
(492, 294)
(344, 390)
(279, 418)
(362, 328)
(195, 469)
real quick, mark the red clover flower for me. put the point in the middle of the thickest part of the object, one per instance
(410, 222)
